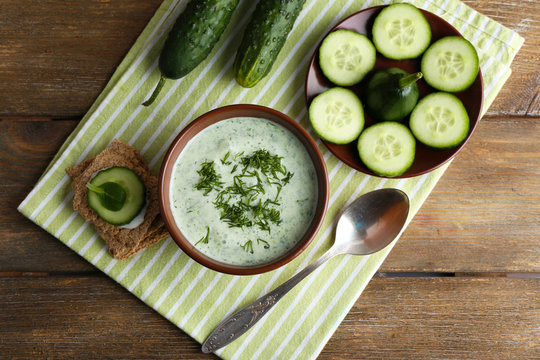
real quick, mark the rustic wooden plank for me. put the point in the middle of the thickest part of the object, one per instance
(395, 318)
(56, 56)
(74, 47)
(92, 317)
(441, 318)
(486, 206)
(521, 94)
(26, 148)
(483, 214)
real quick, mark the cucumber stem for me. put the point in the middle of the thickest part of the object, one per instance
(155, 94)
(409, 79)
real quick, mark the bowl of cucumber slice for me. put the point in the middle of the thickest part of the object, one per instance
(394, 91)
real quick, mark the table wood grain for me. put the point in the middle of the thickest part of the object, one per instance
(462, 282)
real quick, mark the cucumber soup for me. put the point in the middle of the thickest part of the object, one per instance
(244, 191)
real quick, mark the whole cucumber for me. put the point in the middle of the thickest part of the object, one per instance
(192, 38)
(263, 39)
(391, 94)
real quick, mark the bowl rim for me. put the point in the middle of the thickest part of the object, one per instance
(210, 118)
(333, 148)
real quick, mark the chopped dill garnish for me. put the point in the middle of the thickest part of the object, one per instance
(238, 187)
(249, 200)
(263, 225)
(248, 246)
(264, 214)
(266, 244)
(273, 215)
(234, 215)
(275, 201)
(258, 209)
(204, 239)
(270, 165)
(224, 160)
(287, 178)
(210, 180)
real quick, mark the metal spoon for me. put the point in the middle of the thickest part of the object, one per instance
(366, 226)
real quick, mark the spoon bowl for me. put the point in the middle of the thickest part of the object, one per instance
(367, 225)
(371, 222)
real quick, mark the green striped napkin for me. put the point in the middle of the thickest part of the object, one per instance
(195, 298)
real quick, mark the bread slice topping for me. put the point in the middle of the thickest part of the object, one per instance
(123, 241)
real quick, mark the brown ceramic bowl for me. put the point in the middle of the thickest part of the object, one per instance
(213, 117)
(426, 159)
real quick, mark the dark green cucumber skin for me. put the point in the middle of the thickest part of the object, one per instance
(263, 39)
(385, 100)
(193, 35)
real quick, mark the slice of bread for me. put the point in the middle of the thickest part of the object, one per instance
(122, 243)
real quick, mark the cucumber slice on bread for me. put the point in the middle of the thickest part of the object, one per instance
(117, 195)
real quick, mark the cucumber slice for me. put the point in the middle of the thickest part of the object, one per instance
(401, 31)
(346, 56)
(387, 148)
(337, 115)
(135, 195)
(440, 120)
(450, 64)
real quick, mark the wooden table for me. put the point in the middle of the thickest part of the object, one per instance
(463, 281)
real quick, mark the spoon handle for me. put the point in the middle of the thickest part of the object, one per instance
(241, 321)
